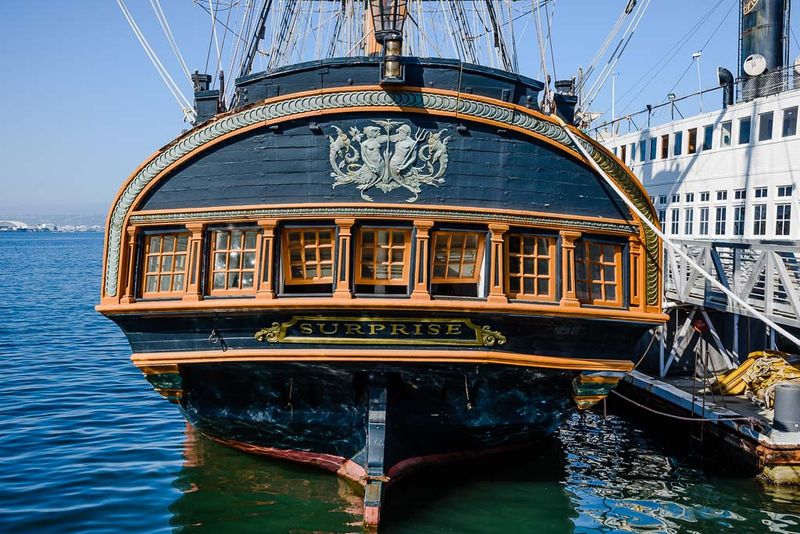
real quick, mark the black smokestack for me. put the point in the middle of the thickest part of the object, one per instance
(726, 82)
(763, 47)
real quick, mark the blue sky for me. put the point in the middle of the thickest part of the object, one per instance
(84, 106)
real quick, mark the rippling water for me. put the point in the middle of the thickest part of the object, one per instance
(87, 446)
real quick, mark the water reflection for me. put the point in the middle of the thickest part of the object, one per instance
(621, 480)
(224, 490)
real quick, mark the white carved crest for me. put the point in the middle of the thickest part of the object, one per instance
(388, 156)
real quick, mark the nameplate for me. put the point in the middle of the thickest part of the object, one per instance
(381, 330)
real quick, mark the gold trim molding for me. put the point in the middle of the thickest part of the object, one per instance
(312, 329)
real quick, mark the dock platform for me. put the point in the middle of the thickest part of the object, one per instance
(739, 425)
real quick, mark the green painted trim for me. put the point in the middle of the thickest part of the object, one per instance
(417, 212)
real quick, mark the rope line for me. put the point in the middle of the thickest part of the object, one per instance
(682, 418)
(162, 20)
(186, 107)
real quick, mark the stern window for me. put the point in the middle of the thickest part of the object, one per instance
(598, 272)
(308, 259)
(382, 261)
(165, 264)
(530, 266)
(233, 257)
(456, 263)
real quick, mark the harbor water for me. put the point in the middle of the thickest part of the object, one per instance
(87, 446)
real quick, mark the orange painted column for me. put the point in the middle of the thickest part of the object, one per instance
(636, 273)
(195, 262)
(568, 294)
(266, 254)
(342, 279)
(420, 273)
(496, 260)
(129, 271)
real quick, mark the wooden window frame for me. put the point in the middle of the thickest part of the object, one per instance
(552, 255)
(476, 274)
(146, 254)
(619, 252)
(211, 261)
(286, 261)
(406, 261)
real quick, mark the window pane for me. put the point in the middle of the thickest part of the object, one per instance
(611, 292)
(166, 263)
(221, 241)
(152, 264)
(234, 260)
(528, 285)
(543, 267)
(544, 286)
(155, 244)
(247, 280)
(789, 122)
(250, 240)
(528, 246)
(249, 260)
(152, 284)
(177, 282)
(527, 266)
(725, 138)
(765, 126)
(182, 243)
(744, 131)
(180, 262)
(233, 280)
(165, 283)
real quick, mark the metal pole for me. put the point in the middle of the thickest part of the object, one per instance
(661, 347)
(696, 56)
(613, 102)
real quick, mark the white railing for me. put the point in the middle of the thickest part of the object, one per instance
(766, 276)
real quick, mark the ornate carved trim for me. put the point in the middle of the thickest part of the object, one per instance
(367, 211)
(334, 102)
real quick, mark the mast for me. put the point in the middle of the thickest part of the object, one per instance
(257, 36)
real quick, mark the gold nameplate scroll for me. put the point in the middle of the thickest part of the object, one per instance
(381, 330)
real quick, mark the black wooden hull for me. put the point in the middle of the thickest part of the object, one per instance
(432, 410)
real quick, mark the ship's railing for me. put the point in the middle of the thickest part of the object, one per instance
(767, 276)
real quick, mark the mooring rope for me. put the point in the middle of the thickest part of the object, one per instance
(752, 421)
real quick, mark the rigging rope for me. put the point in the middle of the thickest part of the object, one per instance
(542, 52)
(162, 20)
(214, 30)
(186, 107)
(594, 90)
(667, 57)
(668, 242)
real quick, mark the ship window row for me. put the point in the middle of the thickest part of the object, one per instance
(761, 192)
(383, 261)
(718, 226)
(702, 139)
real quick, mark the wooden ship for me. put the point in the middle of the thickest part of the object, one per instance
(372, 263)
